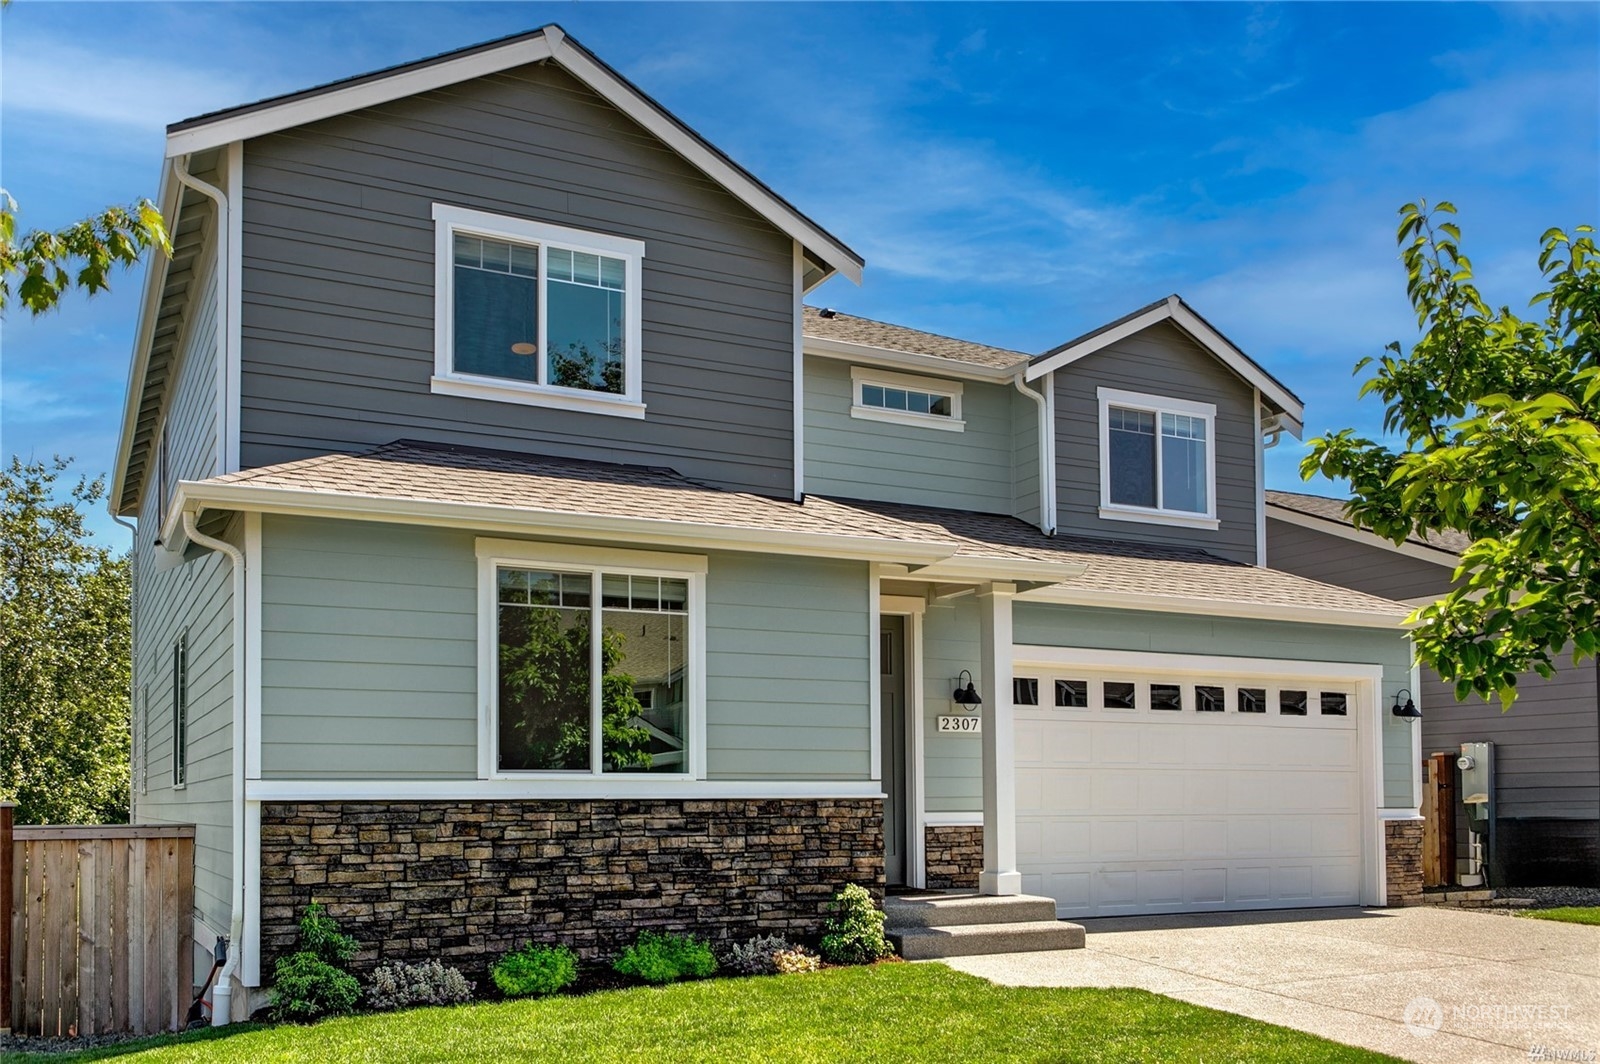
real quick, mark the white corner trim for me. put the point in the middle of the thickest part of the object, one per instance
(578, 787)
(874, 673)
(250, 959)
(798, 370)
(252, 646)
(233, 362)
(1260, 452)
(1157, 405)
(1344, 530)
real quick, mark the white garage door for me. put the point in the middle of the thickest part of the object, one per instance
(1139, 792)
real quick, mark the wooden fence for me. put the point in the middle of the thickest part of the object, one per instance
(97, 936)
(1439, 820)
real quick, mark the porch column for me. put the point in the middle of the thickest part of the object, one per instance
(1000, 875)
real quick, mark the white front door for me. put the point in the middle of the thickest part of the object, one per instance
(1144, 792)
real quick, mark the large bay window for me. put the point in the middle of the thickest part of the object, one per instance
(534, 313)
(1157, 459)
(591, 660)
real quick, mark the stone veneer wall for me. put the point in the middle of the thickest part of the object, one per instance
(1402, 849)
(463, 882)
(954, 857)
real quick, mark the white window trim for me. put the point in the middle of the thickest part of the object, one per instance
(493, 553)
(180, 711)
(861, 375)
(1157, 405)
(449, 220)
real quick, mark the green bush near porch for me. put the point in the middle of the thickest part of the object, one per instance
(900, 1012)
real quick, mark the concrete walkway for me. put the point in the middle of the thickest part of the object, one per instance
(1475, 986)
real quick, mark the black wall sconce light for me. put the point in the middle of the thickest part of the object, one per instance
(968, 695)
(1406, 710)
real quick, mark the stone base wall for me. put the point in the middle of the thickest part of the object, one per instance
(954, 857)
(1402, 849)
(464, 882)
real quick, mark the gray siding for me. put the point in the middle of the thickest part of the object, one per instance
(950, 641)
(864, 459)
(369, 660)
(1161, 361)
(1336, 560)
(194, 597)
(1547, 746)
(338, 282)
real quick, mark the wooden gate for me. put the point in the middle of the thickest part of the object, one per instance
(100, 924)
(1439, 820)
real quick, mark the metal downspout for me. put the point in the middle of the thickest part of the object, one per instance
(1047, 509)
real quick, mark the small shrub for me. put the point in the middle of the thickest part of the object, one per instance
(798, 959)
(405, 986)
(755, 956)
(665, 958)
(535, 971)
(305, 987)
(312, 982)
(855, 930)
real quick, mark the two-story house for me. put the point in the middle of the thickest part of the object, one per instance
(518, 557)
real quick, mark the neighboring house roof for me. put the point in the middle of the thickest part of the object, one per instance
(412, 481)
(1175, 310)
(1328, 515)
(848, 331)
(550, 42)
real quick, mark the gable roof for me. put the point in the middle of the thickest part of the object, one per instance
(491, 490)
(1175, 310)
(552, 43)
(1323, 514)
(848, 336)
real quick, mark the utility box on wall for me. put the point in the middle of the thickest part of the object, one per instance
(1476, 764)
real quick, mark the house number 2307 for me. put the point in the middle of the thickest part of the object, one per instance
(965, 725)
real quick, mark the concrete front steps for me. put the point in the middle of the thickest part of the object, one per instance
(932, 926)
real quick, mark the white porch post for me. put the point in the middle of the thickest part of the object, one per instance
(1000, 875)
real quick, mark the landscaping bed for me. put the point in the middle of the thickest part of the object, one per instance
(901, 1012)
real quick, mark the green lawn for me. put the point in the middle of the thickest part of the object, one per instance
(890, 1012)
(1572, 914)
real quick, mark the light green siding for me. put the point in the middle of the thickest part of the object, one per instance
(950, 644)
(863, 459)
(369, 658)
(194, 597)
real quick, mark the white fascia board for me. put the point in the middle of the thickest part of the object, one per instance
(1437, 555)
(336, 102)
(155, 277)
(1214, 342)
(867, 355)
(1219, 608)
(547, 787)
(193, 496)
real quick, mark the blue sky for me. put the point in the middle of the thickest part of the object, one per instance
(1015, 174)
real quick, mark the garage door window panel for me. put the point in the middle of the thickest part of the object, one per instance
(1292, 703)
(1252, 700)
(1072, 694)
(1167, 696)
(1118, 694)
(1208, 699)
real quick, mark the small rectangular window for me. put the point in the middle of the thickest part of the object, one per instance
(1166, 696)
(1024, 691)
(1209, 699)
(1119, 695)
(884, 396)
(1292, 703)
(1252, 700)
(1334, 704)
(180, 711)
(1072, 694)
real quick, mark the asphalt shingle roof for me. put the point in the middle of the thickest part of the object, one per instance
(441, 473)
(1333, 510)
(849, 329)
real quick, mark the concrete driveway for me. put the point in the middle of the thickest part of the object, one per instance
(1475, 986)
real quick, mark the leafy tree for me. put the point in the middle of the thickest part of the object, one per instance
(1497, 423)
(45, 260)
(544, 670)
(65, 642)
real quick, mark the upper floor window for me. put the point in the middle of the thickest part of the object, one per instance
(1158, 459)
(533, 313)
(907, 400)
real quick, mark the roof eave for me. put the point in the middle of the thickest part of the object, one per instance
(195, 496)
(168, 197)
(1103, 598)
(843, 350)
(1344, 530)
